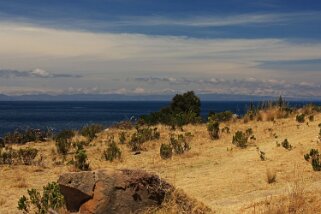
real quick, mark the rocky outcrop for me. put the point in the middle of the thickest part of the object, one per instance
(123, 191)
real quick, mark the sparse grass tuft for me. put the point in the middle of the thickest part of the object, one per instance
(271, 176)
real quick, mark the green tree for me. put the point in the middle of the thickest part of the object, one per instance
(187, 102)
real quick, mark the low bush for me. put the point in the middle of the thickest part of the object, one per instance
(23, 156)
(142, 135)
(213, 127)
(300, 118)
(51, 198)
(311, 118)
(314, 157)
(166, 151)
(112, 152)
(179, 144)
(221, 116)
(27, 155)
(63, 141)
(91, 131)
(8, 156)
(240, 139)
(24, 136)
(285, 144)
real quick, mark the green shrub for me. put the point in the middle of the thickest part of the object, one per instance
(286, 144)
(311, 118)
(81, 159)
(91, 131)
(112, 152)
(142, 135)
(213, 127)
(314, 156)
(166, 151)
(240, 139)
(122, 138)
(27, 155)
(300, 118)
(63, 141)
(51, 198)
(221, 116)
(179, 144)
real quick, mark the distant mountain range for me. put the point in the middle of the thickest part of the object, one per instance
(120, 97)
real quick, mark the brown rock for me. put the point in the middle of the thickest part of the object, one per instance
(124, 191)
(77, 188)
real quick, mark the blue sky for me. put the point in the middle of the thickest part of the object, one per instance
(252, 47)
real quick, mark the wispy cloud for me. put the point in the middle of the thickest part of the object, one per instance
(215, 21)
(37, 73)
(121, 22)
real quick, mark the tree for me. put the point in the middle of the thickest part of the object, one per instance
(187, 102)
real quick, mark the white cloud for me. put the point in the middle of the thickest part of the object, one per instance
(40, 72)
(102, 57)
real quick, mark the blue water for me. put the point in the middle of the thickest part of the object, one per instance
(74, 115)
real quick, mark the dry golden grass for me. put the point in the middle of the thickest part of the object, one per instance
(296, 198)
(225, 178)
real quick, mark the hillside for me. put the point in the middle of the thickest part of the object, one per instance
(224, 177)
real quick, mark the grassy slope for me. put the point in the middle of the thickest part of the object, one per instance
(226, 178)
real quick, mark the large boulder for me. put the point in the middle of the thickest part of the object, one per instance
(77, 188)
(102, 191)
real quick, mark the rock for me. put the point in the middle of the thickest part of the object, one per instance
(77, 188)
(122, 191)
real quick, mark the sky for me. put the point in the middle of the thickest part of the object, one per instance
(146, 47)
